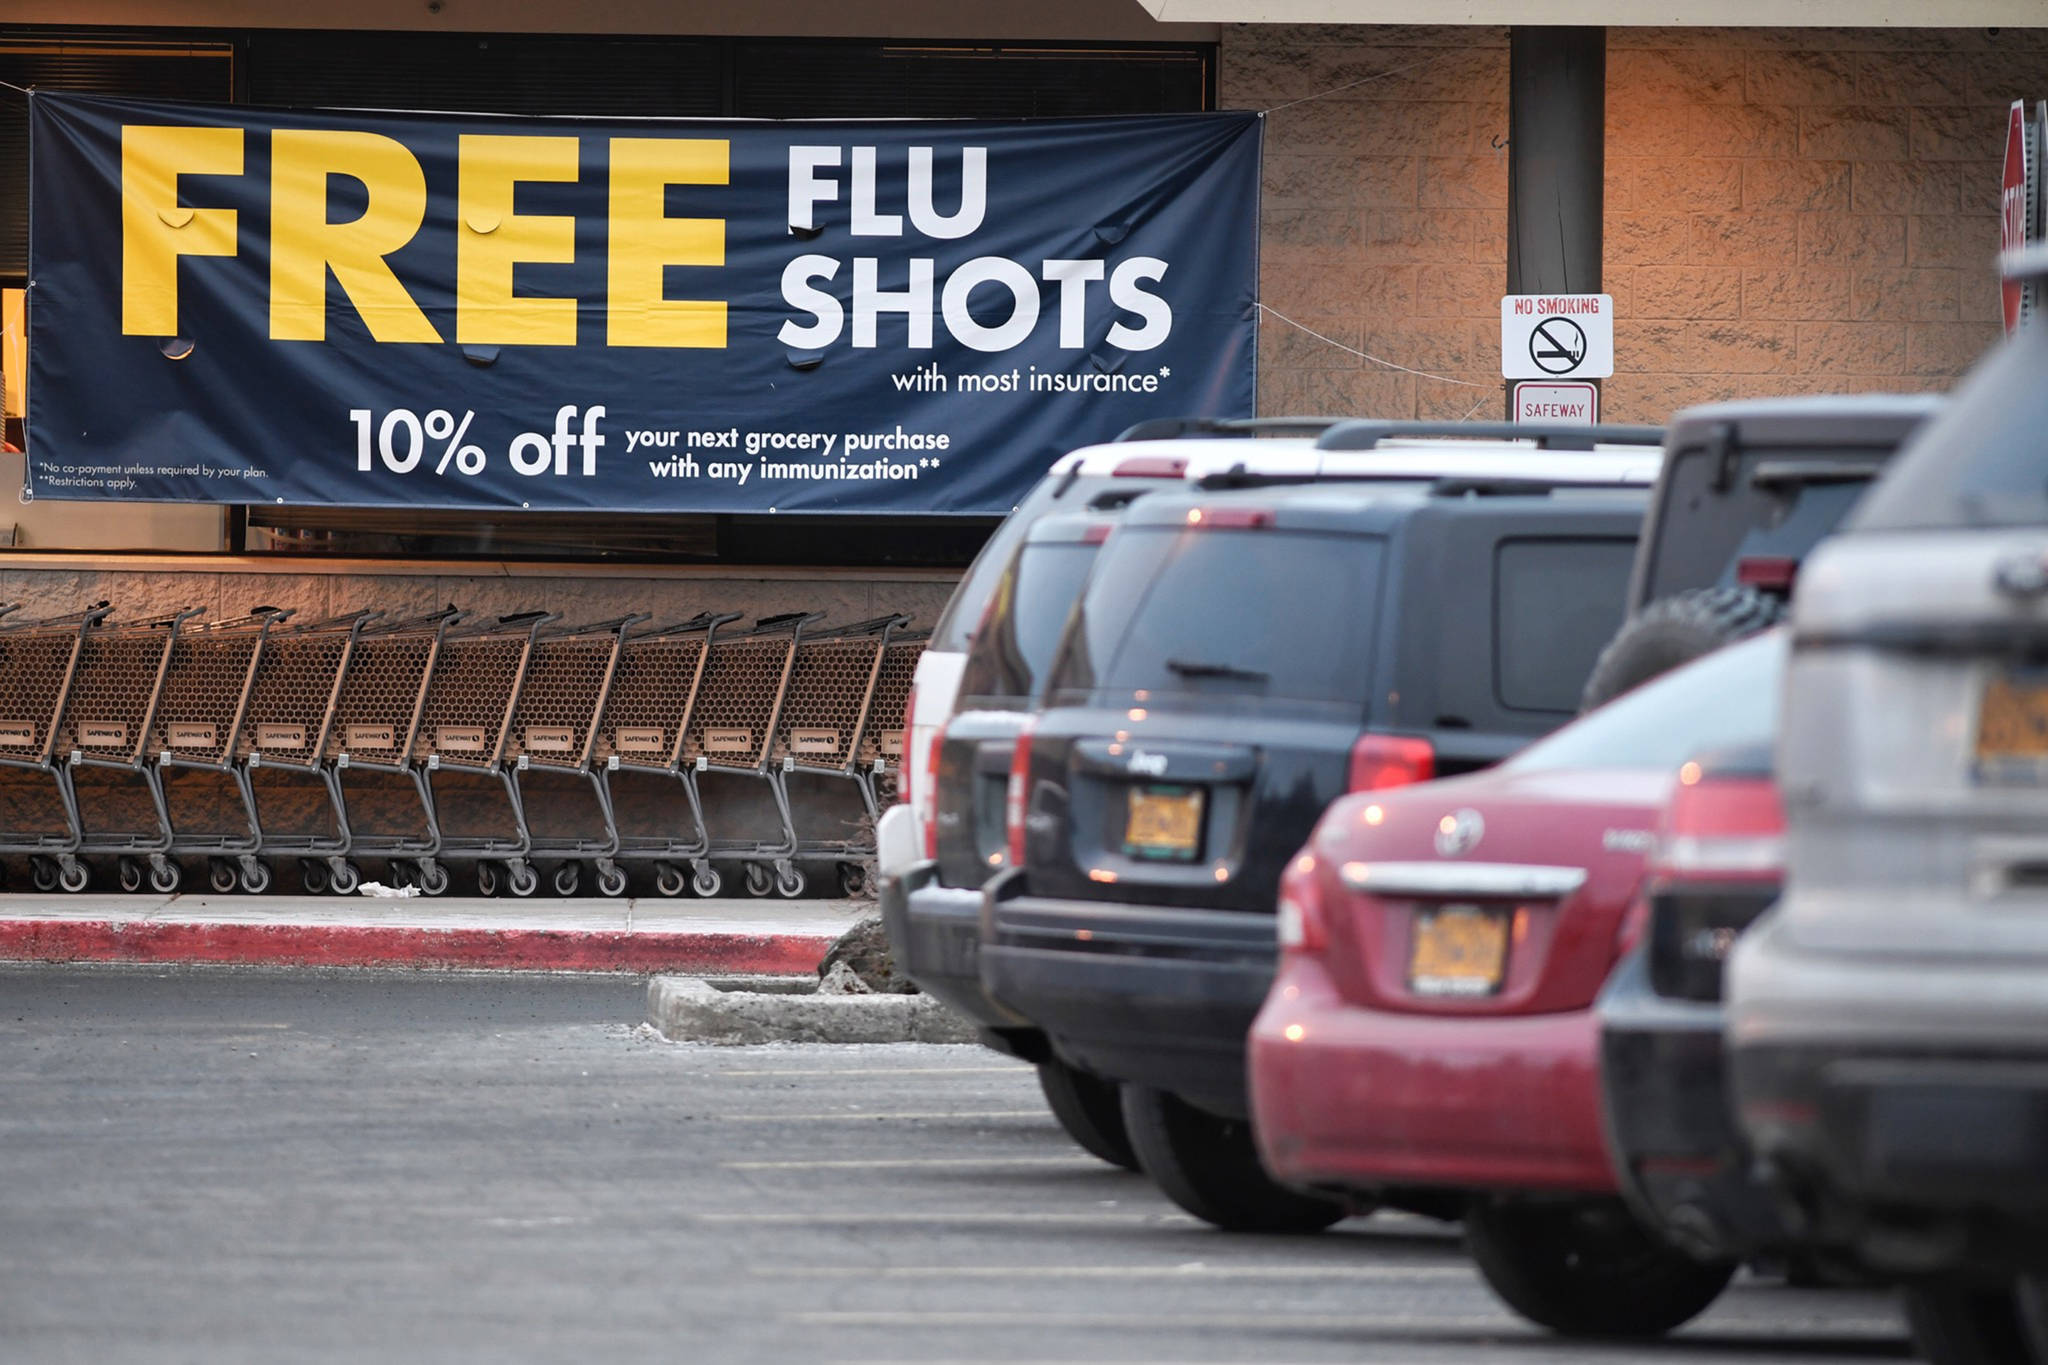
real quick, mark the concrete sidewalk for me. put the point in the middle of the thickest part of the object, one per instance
(587, 935)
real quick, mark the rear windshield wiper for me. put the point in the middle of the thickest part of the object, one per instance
(1196, 668)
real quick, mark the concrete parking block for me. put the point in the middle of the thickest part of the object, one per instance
(689, 1009)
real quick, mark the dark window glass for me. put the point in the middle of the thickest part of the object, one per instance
(1258, 613)
(1557, 603)
(1703, 532)
(1030, 606)
(1726, 699)
(1983, 461)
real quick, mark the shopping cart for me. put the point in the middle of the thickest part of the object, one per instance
(464, 727)
(39, 659)
(386, 805)
(194, 740)
(730, 738)
(552, 741)
(285, 775)
(104, 745)
(880, 753)
(817, 744)
(640, 746)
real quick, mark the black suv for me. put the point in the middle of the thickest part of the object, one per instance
(1241, 658)
(1748, 489)
(933, 912)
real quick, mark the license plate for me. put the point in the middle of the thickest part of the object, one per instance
(1459, 950)
(2012, 727)
(1164, 823)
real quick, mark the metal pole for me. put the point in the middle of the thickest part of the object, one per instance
(1557, 159)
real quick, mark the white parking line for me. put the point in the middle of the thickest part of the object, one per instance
(1020, 1069)
(1192, 1270)
(992, 1216)
(917, 1162)
(858, 1117)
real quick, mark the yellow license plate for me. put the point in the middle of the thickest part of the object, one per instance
(2012, 727)
(1164, 822)
(1459, 950)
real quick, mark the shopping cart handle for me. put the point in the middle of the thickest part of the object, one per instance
(529, 618)
(874, 627)
(788, 618)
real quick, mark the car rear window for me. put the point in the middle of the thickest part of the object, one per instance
(1025, 617)
(1730, 697)
(1981, 462)
(1205, 612)
(1702, 529)
(1557, 602)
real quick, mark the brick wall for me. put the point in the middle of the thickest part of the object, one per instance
(1788, 210)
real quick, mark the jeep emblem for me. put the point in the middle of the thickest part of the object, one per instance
(1148, 765)
(1459, 832)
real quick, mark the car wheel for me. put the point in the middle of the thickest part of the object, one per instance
(1210, 1167)
(1588, 1269)
(1967, 1324)
(1090, 1110)
(1676, 630)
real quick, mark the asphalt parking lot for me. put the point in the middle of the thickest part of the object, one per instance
(240, 1165)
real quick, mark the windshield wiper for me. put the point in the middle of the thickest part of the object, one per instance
(1196, 668)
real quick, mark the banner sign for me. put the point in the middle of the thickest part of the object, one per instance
(380, 309)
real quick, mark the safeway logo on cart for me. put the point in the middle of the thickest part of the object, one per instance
(17, 734)
(102, 735)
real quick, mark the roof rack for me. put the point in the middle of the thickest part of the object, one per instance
(1239, 476)
(1365, 435)
(1173, 428)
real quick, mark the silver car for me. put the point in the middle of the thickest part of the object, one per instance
(1888, 1022)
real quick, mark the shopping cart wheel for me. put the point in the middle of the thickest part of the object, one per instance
(522, 880)
(74, 877)
(313, 876)
(853, 879)
(705, 881)
(668, 879)
(130, 874)
(43, 872)
(568, 877)
(221, 875)
(758, 880)
(434, 879)
(256, 878)
(165, 879)
(487, 879)
(345, 879)
(789, 881)
(611, 881)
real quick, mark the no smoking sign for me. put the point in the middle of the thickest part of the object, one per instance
(1556, 336)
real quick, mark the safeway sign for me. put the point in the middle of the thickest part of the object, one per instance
(1556, 336)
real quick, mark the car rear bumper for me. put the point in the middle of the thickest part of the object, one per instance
(1143, 994)
(1680, 1159)
(1346, 1097)
(1903, 1109)
(936, 932)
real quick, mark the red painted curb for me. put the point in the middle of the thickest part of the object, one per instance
(315, 945)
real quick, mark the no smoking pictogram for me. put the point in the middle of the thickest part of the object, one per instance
(1558, 345)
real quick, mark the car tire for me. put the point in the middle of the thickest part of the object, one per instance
(1210, 1167)
(1967, 1324)
(1090, 1110)
(1676, 630)
(1588, 1268)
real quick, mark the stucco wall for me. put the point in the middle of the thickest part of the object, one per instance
(1788, 210)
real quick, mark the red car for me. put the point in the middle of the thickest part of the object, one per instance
(1432, 1024)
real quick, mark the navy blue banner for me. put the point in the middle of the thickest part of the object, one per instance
(381, 309)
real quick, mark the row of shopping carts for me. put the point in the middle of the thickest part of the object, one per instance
(511, 742)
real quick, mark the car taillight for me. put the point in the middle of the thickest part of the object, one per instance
(1151, 467)
(1231, 518)
(1772, 573)
(928, 794)
(1016, 792)
(1300, 911)
(1722, 825)
(1633, 921)
(1379, 761)
(903, 760)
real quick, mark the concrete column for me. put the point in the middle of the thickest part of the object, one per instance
(1557, 160)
